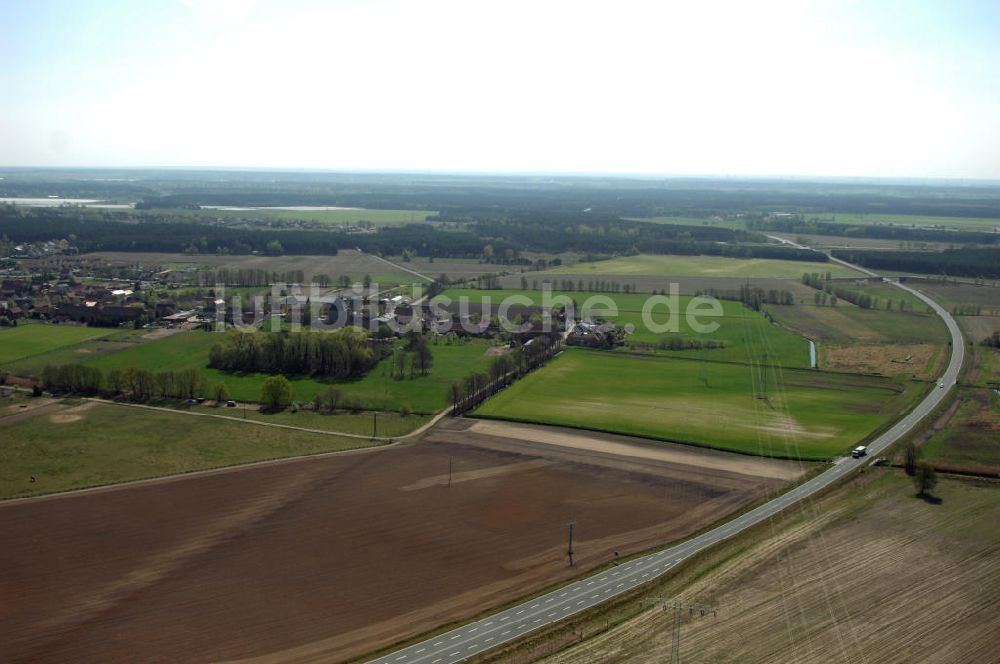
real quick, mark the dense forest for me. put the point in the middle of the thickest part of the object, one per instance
(343, 354)
(964, 262)
(501, 240)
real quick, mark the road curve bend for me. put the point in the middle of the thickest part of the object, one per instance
(514, 622)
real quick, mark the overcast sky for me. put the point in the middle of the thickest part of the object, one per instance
(754, 88)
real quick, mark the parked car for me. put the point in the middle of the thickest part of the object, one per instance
(230, 404)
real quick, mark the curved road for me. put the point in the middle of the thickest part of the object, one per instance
(510, 624)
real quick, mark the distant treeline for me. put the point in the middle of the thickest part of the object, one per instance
(503, 241)
(626, 197)
(874, 231)
(97, 230)
(342, 354)
(620, 197)
(964, 262)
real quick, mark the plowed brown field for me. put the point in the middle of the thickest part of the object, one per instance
(328, 558)
(870, 574)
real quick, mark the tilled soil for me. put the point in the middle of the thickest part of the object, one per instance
(329, 558)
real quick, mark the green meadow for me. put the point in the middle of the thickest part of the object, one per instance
(920, 221)
(422, 394)
(30, 339)
(95, 444)
(799, 414)
(746, 334)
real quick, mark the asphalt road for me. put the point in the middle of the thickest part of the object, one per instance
(510, 624)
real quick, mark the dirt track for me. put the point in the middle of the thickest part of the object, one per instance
(331, 557)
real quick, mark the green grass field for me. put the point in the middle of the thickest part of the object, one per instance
(972, 437)
(31, 339)
(388, 423)
(698, 266)
(109, 444)
(846, 323)
(111, 341)
(960, 223)
(347, 262)
(771, 412)
(423, 394)
(691, 221)
(747, 335)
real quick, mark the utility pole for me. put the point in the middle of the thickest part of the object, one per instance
(374, 423)
(678, 607)
(569, 549)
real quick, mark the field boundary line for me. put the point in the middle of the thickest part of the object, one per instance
(389, 439)
(230, 468)
(398, 267)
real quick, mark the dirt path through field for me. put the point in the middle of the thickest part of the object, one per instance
(20, 412)
(670, 453)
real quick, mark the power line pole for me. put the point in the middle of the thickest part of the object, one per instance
(678, 607)
(569, 549)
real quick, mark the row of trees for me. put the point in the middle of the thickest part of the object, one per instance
(135, 383)
(503, 370)
(817, 280)
(248, 277)
(753, 297)
(591, 286)
(993, 341)
(677, 342)
(825, 285)
(344, 353)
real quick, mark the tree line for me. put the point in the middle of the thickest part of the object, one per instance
(467, 394)
(133, 382)
(504, 240)
(828, 289)
(248, 277)
(965, 262)
(754, 297)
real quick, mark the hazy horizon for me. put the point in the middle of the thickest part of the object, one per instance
(905, 91)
